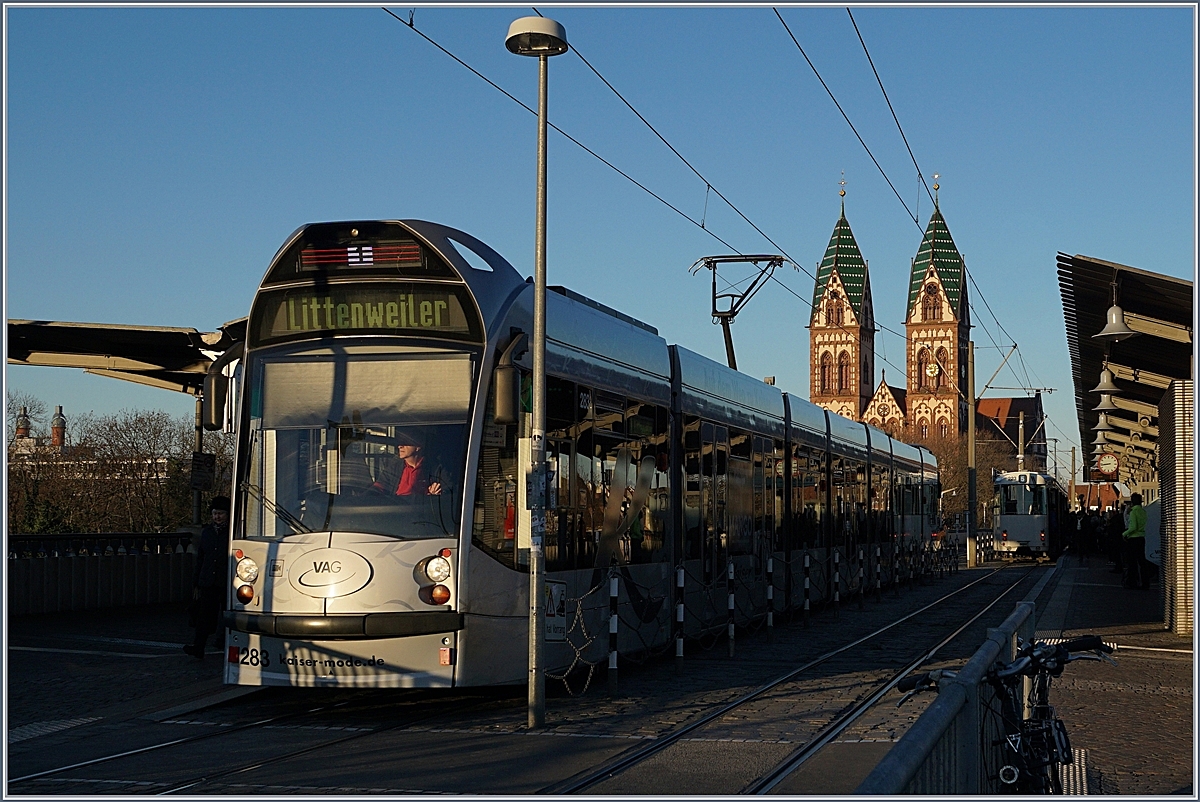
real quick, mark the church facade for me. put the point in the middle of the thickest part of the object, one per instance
(937, 327)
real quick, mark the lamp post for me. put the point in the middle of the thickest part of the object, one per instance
(540, 37)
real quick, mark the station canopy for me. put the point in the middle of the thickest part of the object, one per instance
(158, 356)
(1159, 309)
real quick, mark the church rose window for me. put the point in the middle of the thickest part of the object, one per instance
(931, 304)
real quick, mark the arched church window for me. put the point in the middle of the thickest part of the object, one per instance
(943, 427)
(943, 363)
(826, 377)
(843, 377)
(931, 303)
(924, 428)
(923, 368)
(833, 312)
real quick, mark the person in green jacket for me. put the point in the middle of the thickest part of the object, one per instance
(1137, 572)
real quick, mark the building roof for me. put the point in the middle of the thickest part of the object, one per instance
(937, 246)
(844, 255)
(1159, 307)
(160, 356)
(1000, 419)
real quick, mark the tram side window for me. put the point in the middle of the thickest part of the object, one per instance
(496, 516)
(849, 491)
(808, 495)
(692, 491)
(740, 501)
(880, 496)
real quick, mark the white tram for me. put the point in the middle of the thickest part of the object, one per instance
(1028, 511)
(381, 400)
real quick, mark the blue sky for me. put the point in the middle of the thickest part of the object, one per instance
(157, 158)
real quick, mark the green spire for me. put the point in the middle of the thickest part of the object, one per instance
(844, 255)
(938, 247)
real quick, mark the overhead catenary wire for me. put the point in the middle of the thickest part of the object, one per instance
(871, 61)
(708, 185)
(412, 26)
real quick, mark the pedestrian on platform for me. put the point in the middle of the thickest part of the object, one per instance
(1114, 524)
(210, 578)
(1137, 571)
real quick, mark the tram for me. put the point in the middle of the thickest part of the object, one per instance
(1029, 510)
(379, 532)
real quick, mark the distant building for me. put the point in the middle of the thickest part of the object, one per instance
(1000, 420)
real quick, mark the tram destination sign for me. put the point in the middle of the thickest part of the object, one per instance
(393, 308)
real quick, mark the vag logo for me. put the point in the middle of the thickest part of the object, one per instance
(328, 573)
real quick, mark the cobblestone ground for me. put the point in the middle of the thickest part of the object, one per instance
(86, 676)
(1135, 718)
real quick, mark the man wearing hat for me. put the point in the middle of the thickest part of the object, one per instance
(416, 476)
(210, 578)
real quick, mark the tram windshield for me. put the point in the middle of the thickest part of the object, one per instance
(348, 439)
(1022, 499)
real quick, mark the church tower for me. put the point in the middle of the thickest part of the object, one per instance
(842, 327)
(938, 326)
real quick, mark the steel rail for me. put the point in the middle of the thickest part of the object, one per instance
(256, 764)
(644, 751)
(175, 742)
(836, 727)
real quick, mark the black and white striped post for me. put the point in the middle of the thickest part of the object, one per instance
(807, 587)
(878, 574)
(770, 599)
(862, 579)
(837, 584)
(897, 549)
(679, 617)
(729, 585)
(612, 633)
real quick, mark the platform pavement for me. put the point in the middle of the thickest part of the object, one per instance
(1136, 720)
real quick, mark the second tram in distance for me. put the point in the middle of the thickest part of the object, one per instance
(1029, 512)
(379, 531)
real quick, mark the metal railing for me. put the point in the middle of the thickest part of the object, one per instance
(955, 745)
(68, 572)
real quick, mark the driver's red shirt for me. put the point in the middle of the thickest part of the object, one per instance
(412, 479)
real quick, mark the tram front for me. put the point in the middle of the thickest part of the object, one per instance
(357, 388)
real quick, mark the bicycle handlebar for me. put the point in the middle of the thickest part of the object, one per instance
(1087, 643)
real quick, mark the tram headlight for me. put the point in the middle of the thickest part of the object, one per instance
(440, 594)
(437, 569)
(245, 594)
(247, 570)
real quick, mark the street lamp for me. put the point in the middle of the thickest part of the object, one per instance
(540, 37)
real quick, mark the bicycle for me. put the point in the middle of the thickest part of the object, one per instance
(1033, 740)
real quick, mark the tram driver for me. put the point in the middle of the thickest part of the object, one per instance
(411, 473)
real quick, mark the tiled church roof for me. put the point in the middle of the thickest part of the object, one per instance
(842, 253)
(938, 245)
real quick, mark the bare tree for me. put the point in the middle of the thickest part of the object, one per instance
(125, 472)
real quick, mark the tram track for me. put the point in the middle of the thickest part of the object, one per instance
(202, 778)
(639, 755)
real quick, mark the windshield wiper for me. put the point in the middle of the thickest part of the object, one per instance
(279, 512)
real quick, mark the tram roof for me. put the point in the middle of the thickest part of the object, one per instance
(1157, 306)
